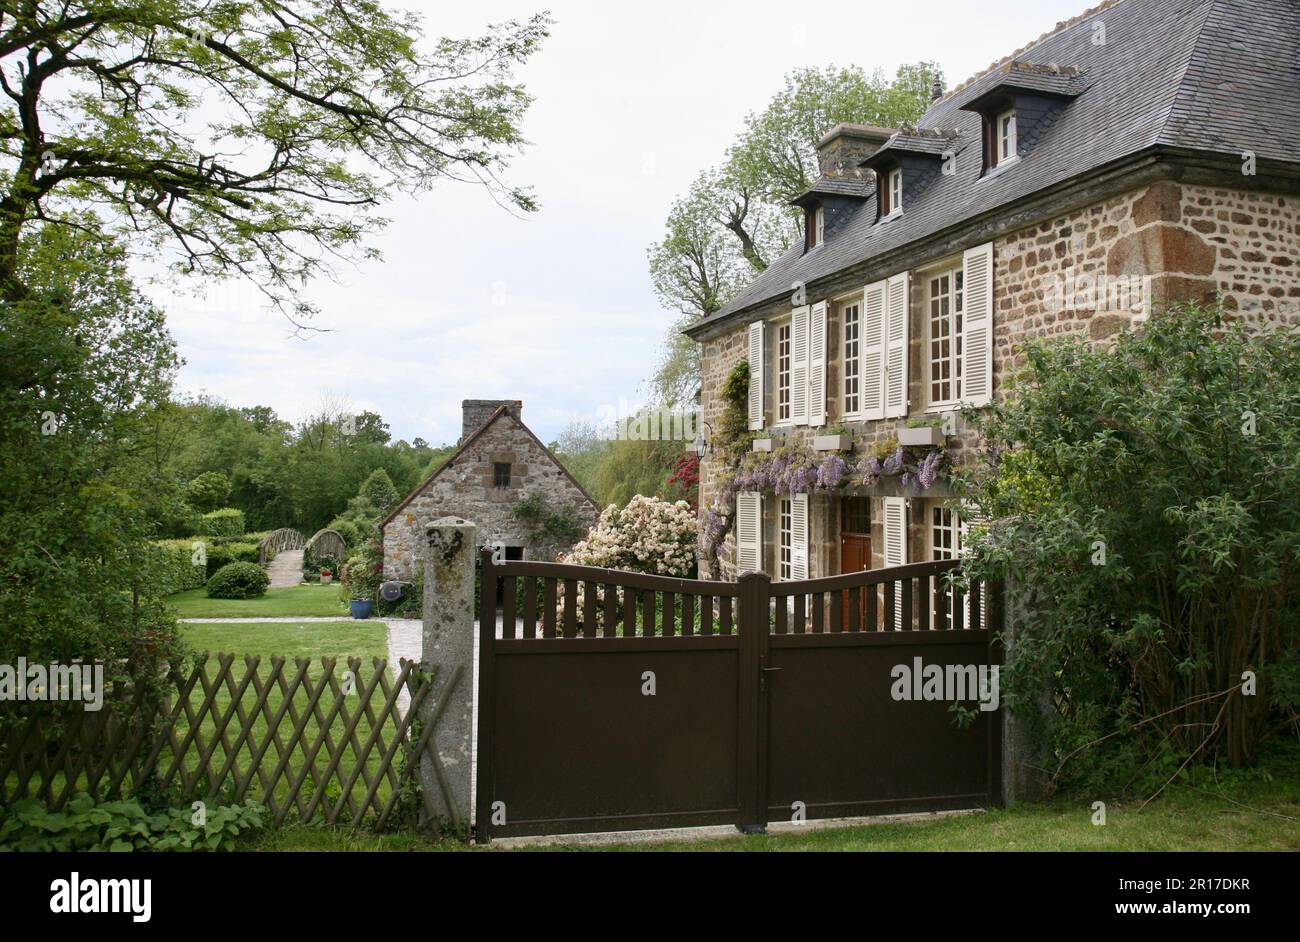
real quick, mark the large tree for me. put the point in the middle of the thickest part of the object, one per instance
(250, 137)
(80, 489)
(736, 218)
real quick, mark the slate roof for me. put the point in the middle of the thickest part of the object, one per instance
(931, 141)
(1210, 75)
(840, 186)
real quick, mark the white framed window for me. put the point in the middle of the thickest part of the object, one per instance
(852, 317)
(785, 541)
(895, 191)
(819, 225)
(945, 543)
(945, 300)
(783, 372)
(948, 541)
(1005, 136)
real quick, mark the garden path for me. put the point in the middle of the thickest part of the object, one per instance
(286, 569)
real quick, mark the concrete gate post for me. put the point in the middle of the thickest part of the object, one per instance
(1023, 777)
(450, 551)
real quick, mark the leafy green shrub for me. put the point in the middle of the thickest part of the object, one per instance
(549, 528)
(227, 522)
(222, 553)
(173, 567)
(123, 825)
(363, 573)
(1143, 502)
(208, 491)
(345, 528)
(313, 565)
(238, 581)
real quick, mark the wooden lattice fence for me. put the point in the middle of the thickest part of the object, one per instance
(306, 739)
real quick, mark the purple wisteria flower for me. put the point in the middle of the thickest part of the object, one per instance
(871, 472)
(831, 471)
(893, 464)
(928, 471)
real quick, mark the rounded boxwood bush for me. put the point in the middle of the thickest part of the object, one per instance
(238, 581)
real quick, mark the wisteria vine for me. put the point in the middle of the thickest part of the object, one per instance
(796, 469)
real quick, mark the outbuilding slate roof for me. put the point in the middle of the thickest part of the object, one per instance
(1211, 75)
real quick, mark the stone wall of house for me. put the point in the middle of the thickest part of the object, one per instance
(1091, 272)
(466, 488)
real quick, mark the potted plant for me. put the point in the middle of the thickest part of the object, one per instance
(921, 433)
(326, 577)
(361, 608)
(833, 439)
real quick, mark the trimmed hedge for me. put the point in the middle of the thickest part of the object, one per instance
(221, 553)
(173, 567)
(238, 581)
(224, 523)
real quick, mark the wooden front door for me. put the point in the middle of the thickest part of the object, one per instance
(855, 543)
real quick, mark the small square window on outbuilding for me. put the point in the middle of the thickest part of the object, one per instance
(501, 474)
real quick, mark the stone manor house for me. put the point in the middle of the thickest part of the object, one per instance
(1147, 149)
(497, 463)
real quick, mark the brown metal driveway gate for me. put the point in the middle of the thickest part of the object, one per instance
(618, 701)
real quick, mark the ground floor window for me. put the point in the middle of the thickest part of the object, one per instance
(784, 544)
(945, 543)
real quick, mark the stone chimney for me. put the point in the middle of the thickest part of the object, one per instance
(475, 412)
(936, 89)
(847, 145)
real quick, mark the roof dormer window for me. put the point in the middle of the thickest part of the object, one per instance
(890, 191)
(814, 226)
(1004, 144)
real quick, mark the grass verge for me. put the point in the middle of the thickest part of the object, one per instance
(301, 601)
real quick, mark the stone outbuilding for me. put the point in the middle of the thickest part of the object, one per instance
(498, 462)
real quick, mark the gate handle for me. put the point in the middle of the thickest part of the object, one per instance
(771, 668)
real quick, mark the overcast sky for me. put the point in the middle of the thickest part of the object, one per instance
(556, 308)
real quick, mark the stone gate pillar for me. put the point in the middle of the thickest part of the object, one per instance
(449, 554)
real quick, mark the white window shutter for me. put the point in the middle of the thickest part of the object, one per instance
(817, 365)
(799, 536)
(977, 325)
(873, 351)
(896, 548)
(799, 366)
(749, 531)
(756, 376)
(896, 310)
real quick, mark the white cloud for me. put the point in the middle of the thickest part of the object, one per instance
(632, 101)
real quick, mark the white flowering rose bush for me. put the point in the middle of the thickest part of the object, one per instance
(648, 535)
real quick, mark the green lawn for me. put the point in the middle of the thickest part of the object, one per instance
(304, 601)
(342, 639)
(366, 640)
(1258, 816)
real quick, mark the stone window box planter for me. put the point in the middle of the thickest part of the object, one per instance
(832, 442)
(929, 435)
(762, 444)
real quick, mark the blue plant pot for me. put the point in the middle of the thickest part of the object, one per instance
(361, 608)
